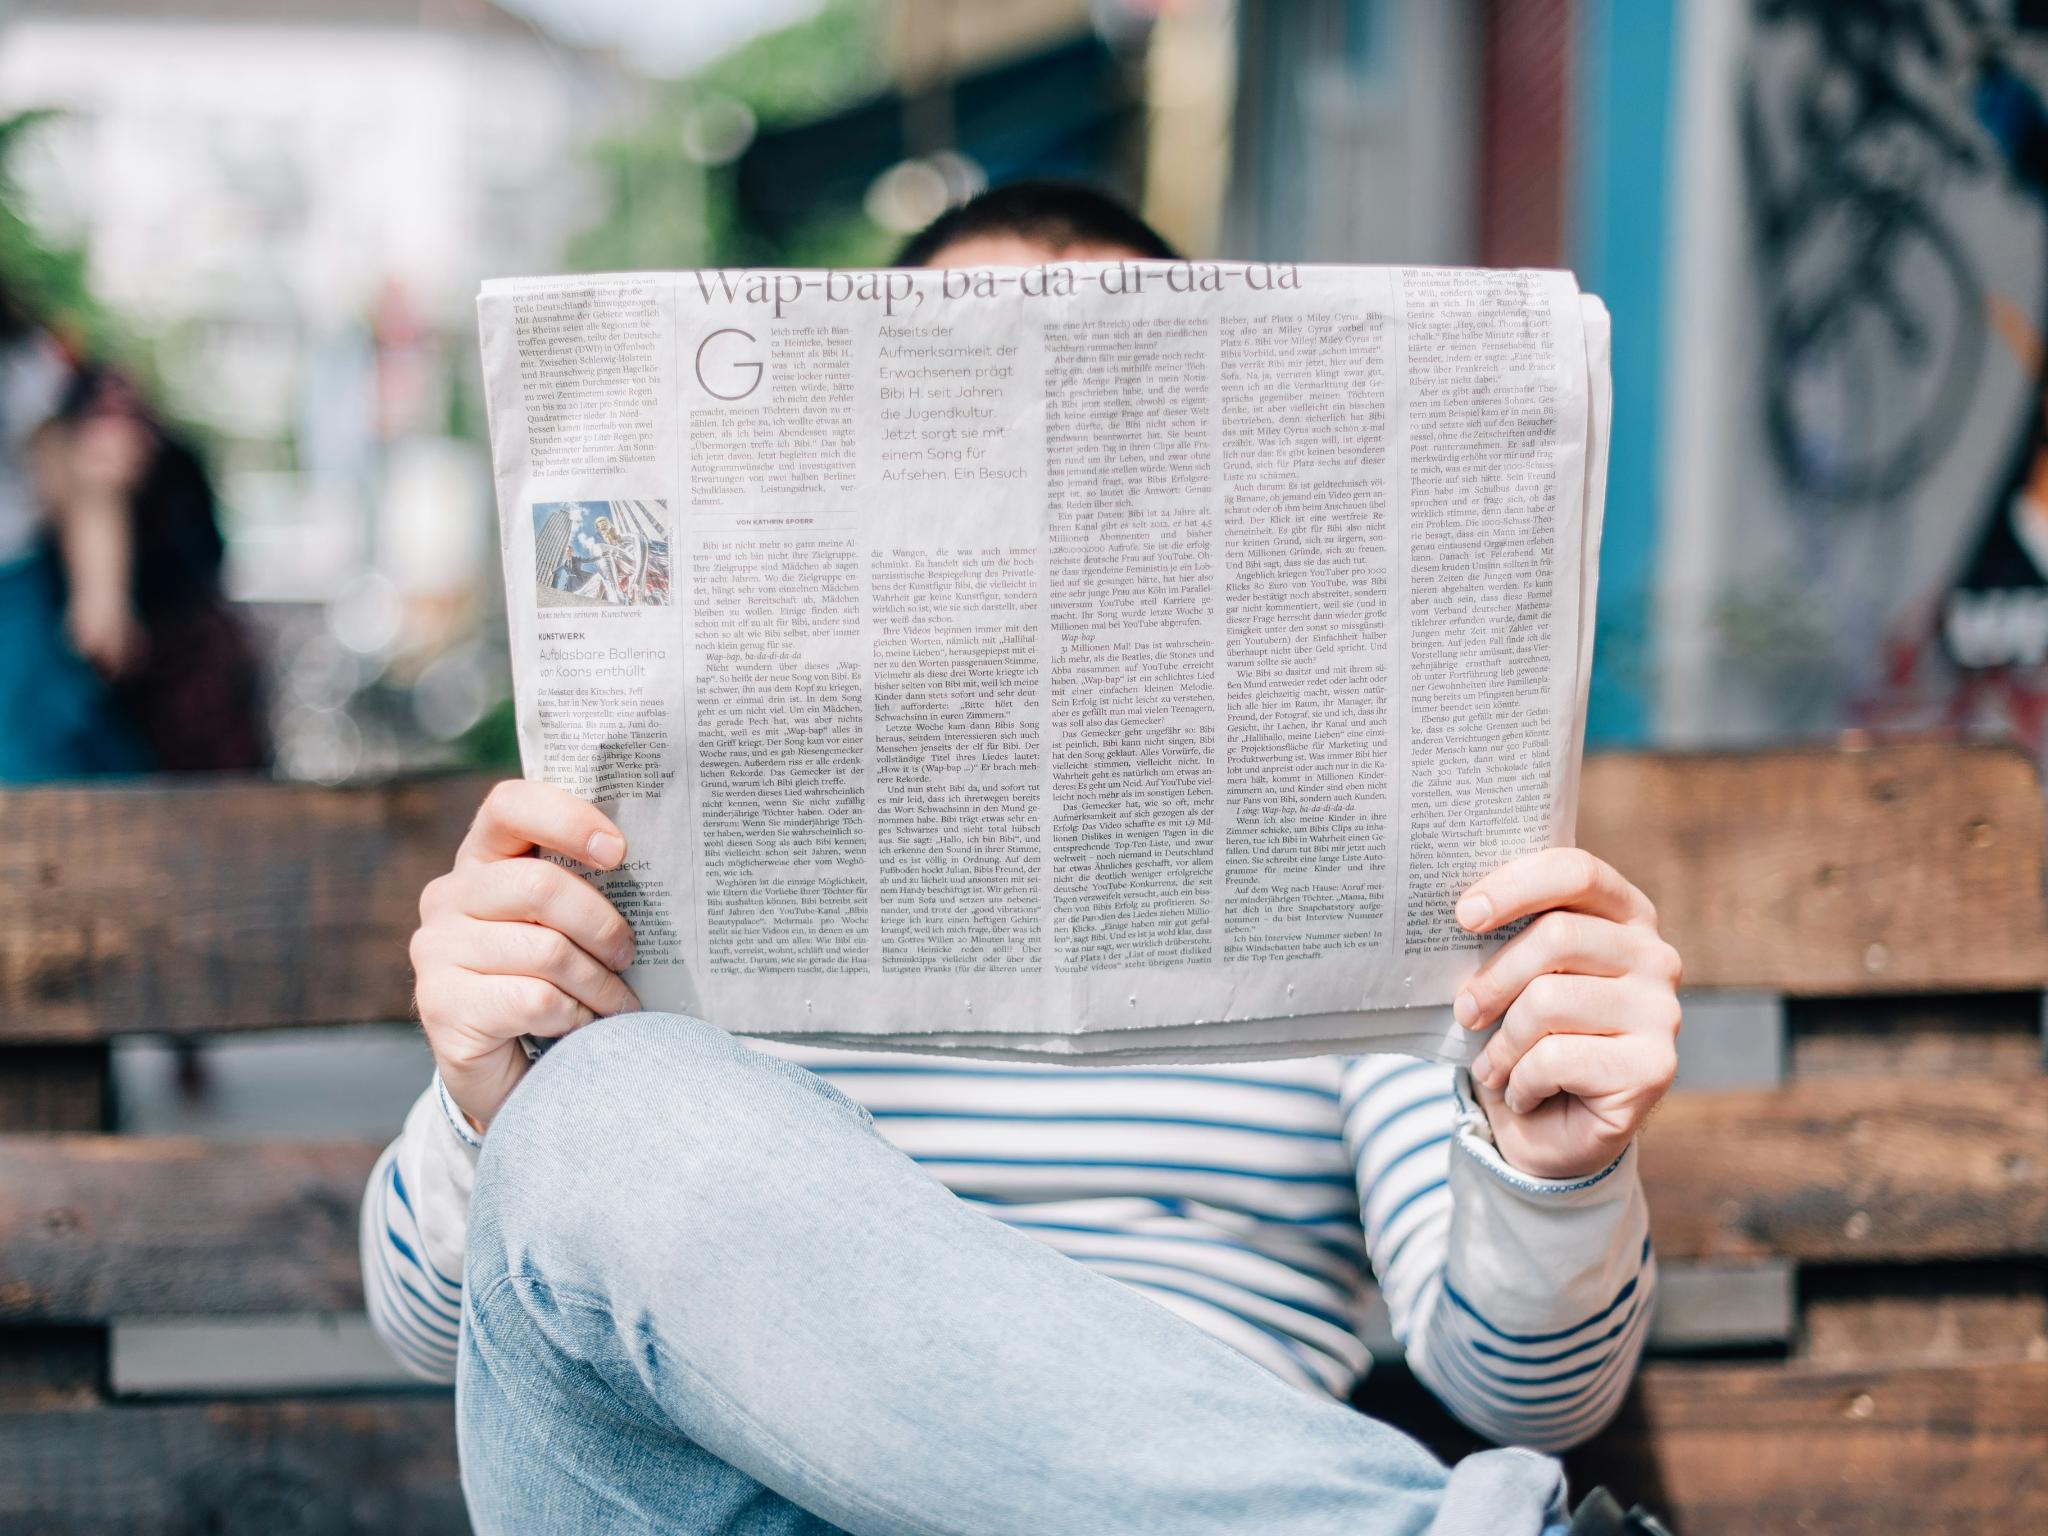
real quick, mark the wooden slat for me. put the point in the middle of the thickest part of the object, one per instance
(1896, 869)
(54, 1088)
(215, 906)
(1852, 1170)
(339, 1467)
(117, 1226)
(1721, 1308)
(1837, 1171)
(1937, 1314)
(1732, 1040)
(1748, 1450)
(135, 1227)
(1993, 1034)
(299, 1353)
(233, 905)
(1764, 1450)
(44, 1368)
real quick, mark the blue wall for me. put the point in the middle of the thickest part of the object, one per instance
(1619, 232)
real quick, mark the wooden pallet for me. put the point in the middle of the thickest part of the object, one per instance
(1884, 1176)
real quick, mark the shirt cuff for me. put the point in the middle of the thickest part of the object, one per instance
(1475, 1139)
(458, 1124)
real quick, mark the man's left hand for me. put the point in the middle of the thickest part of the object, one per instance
(1587, 1001)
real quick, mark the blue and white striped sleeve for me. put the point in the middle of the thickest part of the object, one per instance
(414, 1229)
(1522, 1303)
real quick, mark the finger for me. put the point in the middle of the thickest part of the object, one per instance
(468, 1013)
(508, 1006)
(1568, 878)
(1589, 1067)
(520, 815)
(1566, 943)
(534, 891)
(1557, 1005)
(527, 949)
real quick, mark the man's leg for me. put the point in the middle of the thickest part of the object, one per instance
(704, 1294)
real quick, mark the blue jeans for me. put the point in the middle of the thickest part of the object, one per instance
(704, 1295)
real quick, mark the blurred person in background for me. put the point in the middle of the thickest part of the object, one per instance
(134, 518)
(686, 1282)
(58, 716)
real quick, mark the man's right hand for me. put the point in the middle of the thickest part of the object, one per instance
(511, 945)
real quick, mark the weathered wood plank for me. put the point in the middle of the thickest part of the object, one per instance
(114, 1226)
(1993, 1034)
(54, 1088)
(1935, 1314)
(243, 1356)
(336, 1467)
(1836, 1171)
(1745, 1450)
(1895, 869)
(135, 1227)
(1759, 1450)
(1732, 1040)
(219, 905)
(51, 1367)
(1852, 1170)
(1722, 1308)
(1786, 1450)
(233, 905)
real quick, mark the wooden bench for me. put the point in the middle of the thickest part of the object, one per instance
(1853, 1335)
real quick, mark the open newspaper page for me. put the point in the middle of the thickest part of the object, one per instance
(1088, 661)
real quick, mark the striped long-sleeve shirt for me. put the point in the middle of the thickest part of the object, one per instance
(1253, 1200)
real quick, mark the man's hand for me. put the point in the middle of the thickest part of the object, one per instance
(1587, 1001)
(510, 945)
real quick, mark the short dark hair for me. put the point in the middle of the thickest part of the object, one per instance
(1054, 213)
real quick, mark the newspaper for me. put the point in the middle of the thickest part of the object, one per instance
(1091, 662)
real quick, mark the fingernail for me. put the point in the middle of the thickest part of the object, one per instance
(1465, 1009)
(1474, 911)
(606, 849)
(1515, 1102)
(623, 958)
(1482, 1068)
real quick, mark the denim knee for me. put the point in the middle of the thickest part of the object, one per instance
(641, 1065)
(645, 1105)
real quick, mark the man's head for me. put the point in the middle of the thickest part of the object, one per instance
(1024, 223)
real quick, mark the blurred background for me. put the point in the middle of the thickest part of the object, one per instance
(1822, 227)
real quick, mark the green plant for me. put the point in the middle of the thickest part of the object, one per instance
(47, 281)
(662, 209)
